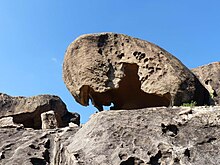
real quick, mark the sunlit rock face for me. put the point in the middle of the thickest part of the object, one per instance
(209, 75)
(127, 72)
(151, 136)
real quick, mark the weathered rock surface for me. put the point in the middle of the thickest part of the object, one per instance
(155, 136)
(7, 122)
(209, 75)
(34, 147)
(27, 110)
(128, 72)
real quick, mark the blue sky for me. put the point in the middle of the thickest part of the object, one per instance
(34, 35)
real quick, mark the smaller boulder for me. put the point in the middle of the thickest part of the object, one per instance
(7, 122)
(209, 75)
(49, 120)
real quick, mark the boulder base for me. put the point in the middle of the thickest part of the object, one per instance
(151, 136)
(178, 135)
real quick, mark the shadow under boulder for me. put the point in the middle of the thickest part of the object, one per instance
(28, 110)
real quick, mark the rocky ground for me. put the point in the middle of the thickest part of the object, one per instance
(25, 146)
(178, 135)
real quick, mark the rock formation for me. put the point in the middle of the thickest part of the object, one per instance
(151, 136)
(128, 72)
(209, 75)
(7, 122)
(154, 136)
(49, 120)
(27, 111)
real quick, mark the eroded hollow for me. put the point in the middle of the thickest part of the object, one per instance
(132, 161)
(129, 94)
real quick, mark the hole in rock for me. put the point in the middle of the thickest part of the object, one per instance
(215, 94)
(129, 94)
(38, 161)
(170, 128)
(187, 153)
(154, 160)
(108, 107)
(208, 81)
(46, 155)
(2, 155)
(102, 40)
(100, 51)
(132, 161)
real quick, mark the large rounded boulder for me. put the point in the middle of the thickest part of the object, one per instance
(127, 72)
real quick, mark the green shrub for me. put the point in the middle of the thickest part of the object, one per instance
(191, 104)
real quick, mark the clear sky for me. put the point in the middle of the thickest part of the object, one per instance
(34, 35)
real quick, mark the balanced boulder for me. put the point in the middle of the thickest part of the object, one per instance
(209, 75)
(127, 72)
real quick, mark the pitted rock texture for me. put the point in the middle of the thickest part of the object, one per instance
(209, 75)
(34, 147)
(27, 110)
(127, 72)
(151, 136)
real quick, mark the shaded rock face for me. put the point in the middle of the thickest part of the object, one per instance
(34, 147)
(127, 72)
(71, 117)
(27, 111)
(209, 75)
(179, 135)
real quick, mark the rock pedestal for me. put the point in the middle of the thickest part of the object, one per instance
(49, 120)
